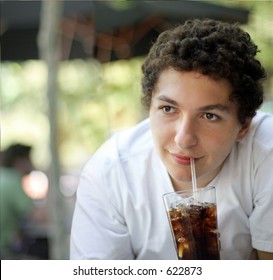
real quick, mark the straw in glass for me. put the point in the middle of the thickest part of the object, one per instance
(193, 179)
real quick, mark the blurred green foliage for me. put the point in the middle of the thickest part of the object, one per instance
(94, 101)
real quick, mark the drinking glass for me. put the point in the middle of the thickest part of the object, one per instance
(192, 216)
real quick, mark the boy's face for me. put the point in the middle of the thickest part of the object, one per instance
(192, 116)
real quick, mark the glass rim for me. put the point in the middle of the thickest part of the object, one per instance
(190, 190)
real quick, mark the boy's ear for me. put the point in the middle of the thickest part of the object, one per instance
(244, 129)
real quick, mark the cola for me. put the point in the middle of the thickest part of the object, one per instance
(194, 229)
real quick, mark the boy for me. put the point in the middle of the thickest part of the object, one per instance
(202, 86)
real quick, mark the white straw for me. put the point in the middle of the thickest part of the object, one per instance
(193, 179)
(193, 175)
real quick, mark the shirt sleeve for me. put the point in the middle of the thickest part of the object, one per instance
(97, 230)
(261, 219)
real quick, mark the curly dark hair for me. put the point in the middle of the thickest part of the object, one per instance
(214, 48)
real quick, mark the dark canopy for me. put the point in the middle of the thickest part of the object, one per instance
(102, 29)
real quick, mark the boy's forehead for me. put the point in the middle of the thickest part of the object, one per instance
(177, 87)
(173, 77)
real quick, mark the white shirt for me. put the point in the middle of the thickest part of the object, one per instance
(119, 212)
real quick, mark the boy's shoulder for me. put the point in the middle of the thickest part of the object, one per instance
(124, 144)
(261, 130)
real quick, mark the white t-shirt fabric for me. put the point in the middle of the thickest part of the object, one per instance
(119, 212)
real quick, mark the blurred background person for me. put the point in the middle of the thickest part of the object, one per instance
(15, 205)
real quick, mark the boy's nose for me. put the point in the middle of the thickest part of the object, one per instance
(186, 136)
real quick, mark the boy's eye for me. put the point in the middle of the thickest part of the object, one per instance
(210, 116)
(167, 109)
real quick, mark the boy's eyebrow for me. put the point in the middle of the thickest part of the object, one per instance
(216, 106)
(166, 99)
